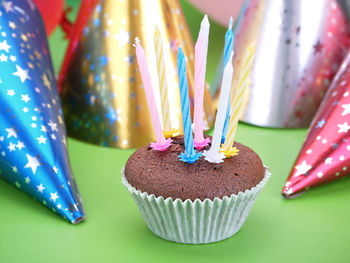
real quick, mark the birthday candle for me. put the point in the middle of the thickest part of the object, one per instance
(190, 155)
(236, 103)
(162, 83)
(227, 52)
(214, 155)
(161, 143)
(201, 50)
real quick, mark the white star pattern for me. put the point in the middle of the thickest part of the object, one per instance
(21, 73)
(12, 147)
(20, 145)
(10, 92)
(25, 98)
(123, 37)
(109, 22)
(328, 160)
(11, 132)
(343, 127)
(40, 188)
(4, 46)
(55, 169)
(53, 125)
(33, 163)
(54, 196)
(41, 139)
(43, 128)
(3, 58)
(319, 174)
(346, 108)
(27, 180)
(302, 168)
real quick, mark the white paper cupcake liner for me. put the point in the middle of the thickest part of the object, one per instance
(195, 222)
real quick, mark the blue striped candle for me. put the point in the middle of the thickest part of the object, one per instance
(190, 155)
(227, 54)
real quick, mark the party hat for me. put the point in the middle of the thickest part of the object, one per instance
(33, 152)
(325, 155)
(299, 47)
(102, 91)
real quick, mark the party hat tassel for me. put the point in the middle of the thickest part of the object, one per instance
(236, 104)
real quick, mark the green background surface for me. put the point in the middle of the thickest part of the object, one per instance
(314, 227)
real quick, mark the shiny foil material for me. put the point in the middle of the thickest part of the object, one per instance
(102, 92)
(33, 152)
(325, 155)
(300, 45)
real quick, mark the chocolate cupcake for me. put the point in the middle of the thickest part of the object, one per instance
(194, 203)
(188, 196)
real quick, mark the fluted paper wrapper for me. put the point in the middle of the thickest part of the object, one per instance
(195, 222)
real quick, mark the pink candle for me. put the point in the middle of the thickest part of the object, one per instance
(201, 51)
(161, 143)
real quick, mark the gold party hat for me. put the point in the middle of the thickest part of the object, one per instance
(102, 92)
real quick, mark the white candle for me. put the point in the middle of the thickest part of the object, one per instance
(214, 155)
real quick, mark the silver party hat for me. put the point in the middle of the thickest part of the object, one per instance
(299, 47)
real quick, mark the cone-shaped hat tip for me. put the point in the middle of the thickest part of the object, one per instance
(79, 219)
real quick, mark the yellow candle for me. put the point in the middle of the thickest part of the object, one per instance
(236, 103)
(162, 83)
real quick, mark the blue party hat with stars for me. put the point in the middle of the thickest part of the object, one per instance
(33, 151)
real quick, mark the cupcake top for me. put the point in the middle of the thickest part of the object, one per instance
(162, 174)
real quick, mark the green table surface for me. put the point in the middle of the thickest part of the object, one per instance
(314, 227)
